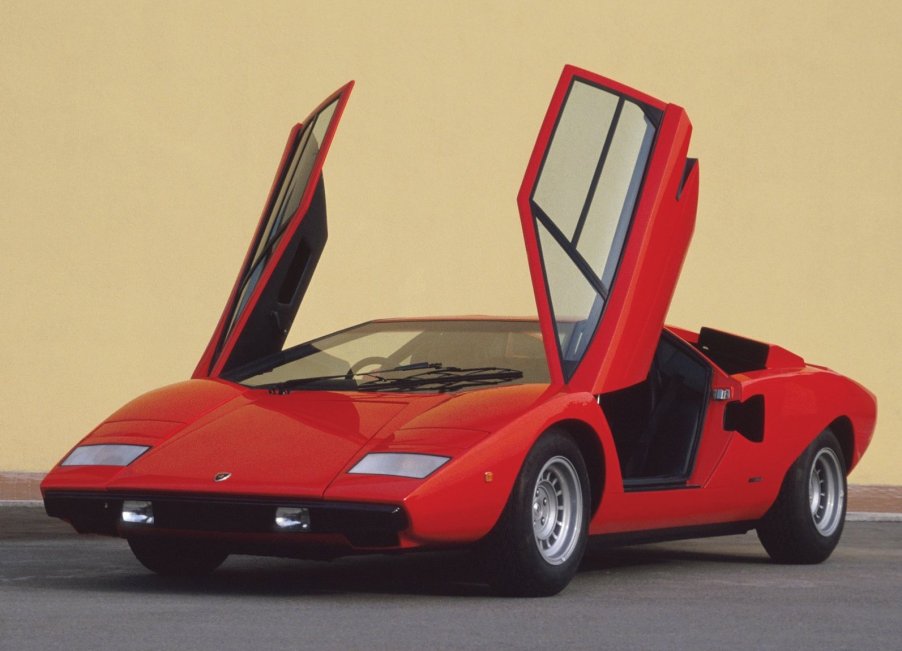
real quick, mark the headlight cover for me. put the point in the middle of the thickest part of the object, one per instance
(104, 455)
(399, 464)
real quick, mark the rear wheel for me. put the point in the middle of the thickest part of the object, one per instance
(537, 545)
(177, 557)
(805, 523)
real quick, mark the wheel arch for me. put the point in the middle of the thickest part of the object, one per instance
(486, 474)
(845, 434)
(587, 440)
(799, 528)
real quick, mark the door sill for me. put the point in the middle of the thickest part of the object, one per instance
(656, 484)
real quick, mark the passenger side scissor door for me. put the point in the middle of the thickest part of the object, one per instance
(607, 208)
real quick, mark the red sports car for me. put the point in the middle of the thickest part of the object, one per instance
(522, 438)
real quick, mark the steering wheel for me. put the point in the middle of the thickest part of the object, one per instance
(369, 361)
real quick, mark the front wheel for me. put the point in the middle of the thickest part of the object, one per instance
(537, 545)
(805, 523)
(172, 557)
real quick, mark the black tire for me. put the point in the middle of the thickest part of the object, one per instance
(173, 557)
(537, 557)
(805, 523)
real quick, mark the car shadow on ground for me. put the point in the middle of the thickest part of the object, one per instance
(106, 565)
(441, 574)
(432, 573)
(730, 549)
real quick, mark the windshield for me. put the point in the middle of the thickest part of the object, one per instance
(407, 355)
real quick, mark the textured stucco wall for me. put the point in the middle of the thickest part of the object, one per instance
(138, 142)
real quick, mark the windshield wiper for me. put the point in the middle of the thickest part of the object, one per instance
(337, 382)
(435, 377)
(345, 381)
(404, 367)
(441, 379)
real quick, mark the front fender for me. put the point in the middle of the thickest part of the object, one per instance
(463, 502)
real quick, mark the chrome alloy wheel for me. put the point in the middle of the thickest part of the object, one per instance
(557, 510)
(825, 491)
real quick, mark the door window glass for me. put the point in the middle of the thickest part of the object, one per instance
(583, 203)
(284, 205)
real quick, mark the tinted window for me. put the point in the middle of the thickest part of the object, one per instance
(583, 202)
(285, 203)
(378, 346)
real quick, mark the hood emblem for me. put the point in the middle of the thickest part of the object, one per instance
(221, 476)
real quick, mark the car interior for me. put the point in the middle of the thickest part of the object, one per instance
(522, 351)
(656, 424)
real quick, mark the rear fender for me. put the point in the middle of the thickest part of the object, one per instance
(798, 407)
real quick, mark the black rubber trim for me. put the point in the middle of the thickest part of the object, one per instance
(575, 256)
(675, 533)
(99, 512)
(637, 484)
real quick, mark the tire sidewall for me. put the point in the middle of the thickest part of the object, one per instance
(824, 543)
(788, 531)
(519, 567)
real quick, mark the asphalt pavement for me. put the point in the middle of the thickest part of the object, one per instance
(63, 591)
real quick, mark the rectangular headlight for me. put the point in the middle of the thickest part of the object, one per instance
(104, 455)
(399, 464)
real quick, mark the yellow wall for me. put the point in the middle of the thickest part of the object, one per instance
(138, 142)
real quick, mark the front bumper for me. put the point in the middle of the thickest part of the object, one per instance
(365, 526)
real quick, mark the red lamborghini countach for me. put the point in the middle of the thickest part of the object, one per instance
(521, 438)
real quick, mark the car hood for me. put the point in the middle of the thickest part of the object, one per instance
(294, 444)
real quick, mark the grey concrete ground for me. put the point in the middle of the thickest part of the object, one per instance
(62, 591)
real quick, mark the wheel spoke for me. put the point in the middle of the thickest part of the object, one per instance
(825, 492)
(557, 510)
